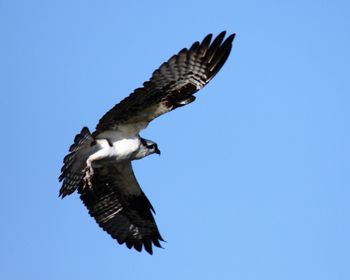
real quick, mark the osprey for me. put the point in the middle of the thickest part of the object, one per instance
(99, 166)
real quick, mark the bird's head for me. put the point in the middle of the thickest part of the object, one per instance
(147, 147)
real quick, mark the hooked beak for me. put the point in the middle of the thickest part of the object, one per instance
(157, 151)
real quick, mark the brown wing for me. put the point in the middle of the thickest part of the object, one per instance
(172, 85)
(120, 207)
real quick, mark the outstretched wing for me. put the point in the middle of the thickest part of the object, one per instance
(120, 207)
(171, 86)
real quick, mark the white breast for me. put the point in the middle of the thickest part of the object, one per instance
(124, 148)
(115, 146)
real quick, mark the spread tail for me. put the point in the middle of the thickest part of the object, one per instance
(74, 163)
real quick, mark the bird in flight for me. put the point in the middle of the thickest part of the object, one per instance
(98, 164)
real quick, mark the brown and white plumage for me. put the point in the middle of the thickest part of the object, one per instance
(120, 207)
(172, 85)
(99, 163)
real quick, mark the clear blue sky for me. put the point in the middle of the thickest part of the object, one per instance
(254, 177)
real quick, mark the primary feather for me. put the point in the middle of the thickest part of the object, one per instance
(99, 163)
(171, 86)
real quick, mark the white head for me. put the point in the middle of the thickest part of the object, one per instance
(147, 148)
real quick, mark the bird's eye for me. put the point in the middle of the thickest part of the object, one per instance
(152, 146)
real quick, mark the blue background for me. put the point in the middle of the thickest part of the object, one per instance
(253, 181)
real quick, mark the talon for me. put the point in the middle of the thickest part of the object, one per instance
(89, 172)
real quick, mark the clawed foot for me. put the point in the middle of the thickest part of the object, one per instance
(89, 173)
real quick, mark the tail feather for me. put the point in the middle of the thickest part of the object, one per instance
(72, 169)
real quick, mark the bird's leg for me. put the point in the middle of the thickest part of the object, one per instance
(91, 162)
(89, 173)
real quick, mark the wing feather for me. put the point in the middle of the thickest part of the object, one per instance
(114, 198)
(120, 207)
(171, 86)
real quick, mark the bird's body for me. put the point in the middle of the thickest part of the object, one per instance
(99, 163)
(112, 149)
